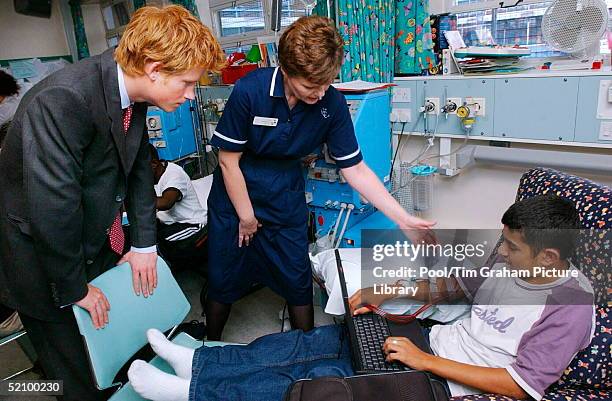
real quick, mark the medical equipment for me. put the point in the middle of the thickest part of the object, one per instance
(337, 208)
(172, 133)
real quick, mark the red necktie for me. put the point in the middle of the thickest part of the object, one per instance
(115, 233)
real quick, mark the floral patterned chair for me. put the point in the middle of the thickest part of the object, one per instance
(588, 376)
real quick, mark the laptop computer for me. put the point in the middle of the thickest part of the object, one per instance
(368, 332)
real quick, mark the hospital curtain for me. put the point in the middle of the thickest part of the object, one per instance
(413, 40)
(139, 3)
(367, 27)
(321, 9)
(79, 29)
(188, 4)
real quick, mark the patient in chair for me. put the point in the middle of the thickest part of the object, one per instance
(501, 347)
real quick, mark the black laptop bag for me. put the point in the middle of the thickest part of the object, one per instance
(396, 386)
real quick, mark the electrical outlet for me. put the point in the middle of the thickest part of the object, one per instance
(393, 116)
(401, 95)
(477, 104)
(456, 101)
(404, 115)
(436, 102)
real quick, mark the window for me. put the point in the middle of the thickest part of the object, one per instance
(243, 18)
(116, 15)
(239, 23)
(294, 9)
(483, 22)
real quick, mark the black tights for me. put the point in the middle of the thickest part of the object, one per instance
(216, 317)
(301, 317)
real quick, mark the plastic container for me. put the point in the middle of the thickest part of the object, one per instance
(422, 186)
(231, 74)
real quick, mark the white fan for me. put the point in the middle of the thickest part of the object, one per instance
(575, 27)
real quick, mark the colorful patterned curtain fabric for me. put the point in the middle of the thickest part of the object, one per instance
(368, 28)
(79, 29)
(413, 40)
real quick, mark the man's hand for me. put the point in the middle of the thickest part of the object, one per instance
(144, 271)
(366, 296)
(97, 305)
(403, 350)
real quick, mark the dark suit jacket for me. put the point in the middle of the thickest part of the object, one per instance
(66, 167)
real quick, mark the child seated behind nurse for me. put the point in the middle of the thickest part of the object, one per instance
(515, 349)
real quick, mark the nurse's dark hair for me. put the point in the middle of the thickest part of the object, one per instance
(8, 85)
(311, 48)
(545, 221)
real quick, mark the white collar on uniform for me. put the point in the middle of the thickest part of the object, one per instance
(273, 89)
(125, 99)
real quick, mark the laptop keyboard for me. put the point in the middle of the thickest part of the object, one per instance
(372, 331)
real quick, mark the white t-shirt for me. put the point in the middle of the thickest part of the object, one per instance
(188, 208)
(533, 331)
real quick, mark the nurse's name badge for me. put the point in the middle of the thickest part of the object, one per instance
(266, 121)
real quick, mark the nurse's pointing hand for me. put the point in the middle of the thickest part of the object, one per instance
(419, 230)
(246, 230)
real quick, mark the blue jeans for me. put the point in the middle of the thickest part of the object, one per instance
(264, 369)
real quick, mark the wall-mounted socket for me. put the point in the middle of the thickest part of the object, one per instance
(401, 95)
(435, 101)
(400, 115)
(452, 104)
(393, 116)
(404, 115)
(477, 104)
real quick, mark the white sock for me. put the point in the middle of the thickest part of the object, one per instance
(179, 357)
(153, 384)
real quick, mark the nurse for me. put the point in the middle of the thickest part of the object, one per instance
(257, 209)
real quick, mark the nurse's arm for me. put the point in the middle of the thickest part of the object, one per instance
(363, 179)
(235, 184)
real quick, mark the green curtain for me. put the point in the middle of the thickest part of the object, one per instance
(414, 44)
(321, 9)
(189, 5)
(79, 29)
(368, 28)
(139, 3)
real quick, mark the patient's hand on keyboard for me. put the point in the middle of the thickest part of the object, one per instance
(403, 350)
(366, 296)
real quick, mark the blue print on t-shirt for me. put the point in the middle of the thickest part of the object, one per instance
(492, 320)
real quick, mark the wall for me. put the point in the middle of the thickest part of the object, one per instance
(94, 28)
(24, 36)
(437, 6)
(479, 195)
(94, 24)
(204, 11)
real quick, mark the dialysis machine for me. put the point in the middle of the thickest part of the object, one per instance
(339, 212)
(172, 133)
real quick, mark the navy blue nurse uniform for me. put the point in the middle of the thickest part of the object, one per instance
(271, 164)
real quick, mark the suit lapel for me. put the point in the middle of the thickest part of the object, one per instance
(135, 133)
(113, 104)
